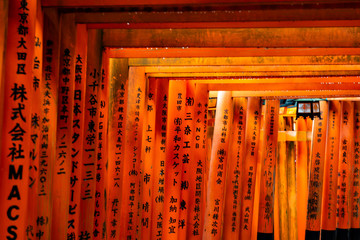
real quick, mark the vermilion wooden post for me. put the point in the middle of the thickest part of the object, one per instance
(345, 171)
(173, 163)
(147, 158)
(49, 112)
(36, 124)
(291, 181)
(162, 91)
(355, 201)
(77, 130)
(134, 128)
(101, 152)
(269, 149)
(16, 118)
(319, 139)
(252, 136)
(88, 163)
(188, 162)
(197, 205)
(301, 175)
(234, 175)
(217, 170)
(281, 183)
(62, 167)
(117, 116)
(328, 218)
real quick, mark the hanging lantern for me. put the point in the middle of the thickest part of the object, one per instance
(308, 108)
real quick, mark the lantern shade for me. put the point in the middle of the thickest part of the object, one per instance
(308, 108)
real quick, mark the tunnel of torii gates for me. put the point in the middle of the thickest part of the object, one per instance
(120, 121)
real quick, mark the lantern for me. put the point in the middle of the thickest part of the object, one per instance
(308, 108)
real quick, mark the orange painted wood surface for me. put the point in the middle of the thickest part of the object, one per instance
(268, 161)
(173, 164)
(319, 139)
(235, 166)
(36, 125)
(345, 170)
(131, 177)
(162, 95)
(49, 113)
(355, 201)
(89, 160)
(147, 157)
(197, 207)
(16, 119)
(117, 116)
(78, 130)
(101, 151)
(301, 175)
(217, 169)
(62, 166)
(252, 137)
(328, 221)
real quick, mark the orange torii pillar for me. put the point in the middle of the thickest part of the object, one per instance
(147, 165)
(62, 167)
(162, 90)
(328, 218)
(345, 170)
(49, 99)
(234, 175)
(16, 118)
(77, 130)
(355, 211)
(88, 163)
(196, 207)
(101, 151)
(188, 164)
(218, 163)
(36, 124)
(269, 155)
(316, 173)
(252, 136)
(173, 163)
(117, 117)
(133, 136)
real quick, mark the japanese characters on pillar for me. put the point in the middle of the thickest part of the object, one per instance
(36, 124)
(328, 222)
(147, 157)
(344, 205)
(233, 179)
(117, 116)
(218, 163)
(62, 166)
(88, 164)
(16, 122)
(252, 135)
(162, 88)
(188, 163)
(269, 154)
(197, 195)
(77, 130)
(49, 98)
(101, 153)
(134, 128)
(317, 161)
(173, 164)
(355, 217)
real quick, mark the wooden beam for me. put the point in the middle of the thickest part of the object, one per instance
(248, 61)
(234, 37)
(304, 15)
(112, 3)
(155, 52)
